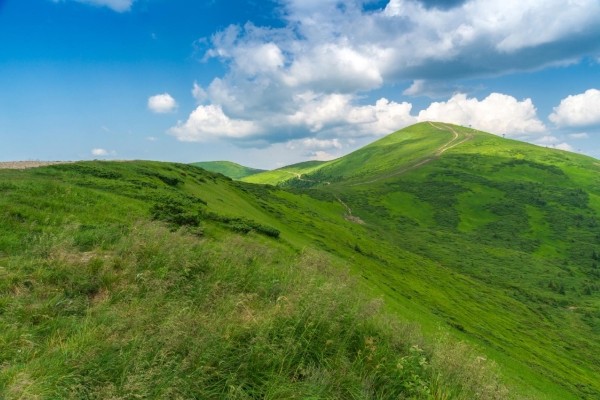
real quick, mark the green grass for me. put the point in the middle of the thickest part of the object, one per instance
(518, 219)
(283, 174)
(228, 168)
(98, 301)
(496, 241)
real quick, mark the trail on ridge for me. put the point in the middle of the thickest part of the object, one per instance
(436, 155)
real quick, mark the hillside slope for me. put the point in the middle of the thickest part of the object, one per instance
(155, 280)
(228, 168)
(517, 218)
(280, 175)
(494, 239)
(409, 146)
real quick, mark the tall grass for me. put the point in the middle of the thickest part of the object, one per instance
(161, 314)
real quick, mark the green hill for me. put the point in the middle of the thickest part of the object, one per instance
(228, 168)
(280, 175)
(164, 280)
(418, 142)
(157, 280)
(514, 217)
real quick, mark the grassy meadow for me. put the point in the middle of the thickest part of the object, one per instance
(155, 280)
(228, 168)
(283, 174)
(145, 279)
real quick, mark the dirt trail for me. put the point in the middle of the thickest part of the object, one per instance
(436, 155)
(349, 215)
(299, 176)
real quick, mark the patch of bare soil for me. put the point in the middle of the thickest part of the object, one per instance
(29, 164)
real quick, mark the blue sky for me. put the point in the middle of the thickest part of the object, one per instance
(269, 83)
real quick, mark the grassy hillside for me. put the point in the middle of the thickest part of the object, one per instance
(514, 217)
(228, 168)
(287, 173)
(492, 240)
(152, 280)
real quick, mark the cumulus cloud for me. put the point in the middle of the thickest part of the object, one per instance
(208, 122)
(325, 115)
(497, 113)
(322, 156)
(162, 103)
(578, 110)
(434, 89)
(564, 146)
(313, 143)
(547, 140)
(579, 136)
(199, 93)
(346, 49)
(305, 78)
(116, 5)
(102, 152)
(320, 120)
(99, 152)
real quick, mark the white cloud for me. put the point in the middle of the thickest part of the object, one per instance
(579, 136)
(546, 140)
(319, 121)
(151, 139)
(564, 146)
(162, 103)
(99, 152)
(313, 143)
(305, 79)
(116, 5)
(102, 152)
(434, 89)
(578, 110)
(209, 122)
(497, 113)
(322, 156)
(335, 46)
(310, 115)
(199, 93)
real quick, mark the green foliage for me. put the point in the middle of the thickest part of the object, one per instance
(90, 170)
(496, 240)
(285, 174)
(229, 169)
(182, 317)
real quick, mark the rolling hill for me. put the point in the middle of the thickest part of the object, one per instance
(228, 168)
(108, 271)
(515, 217)
(283, 174)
